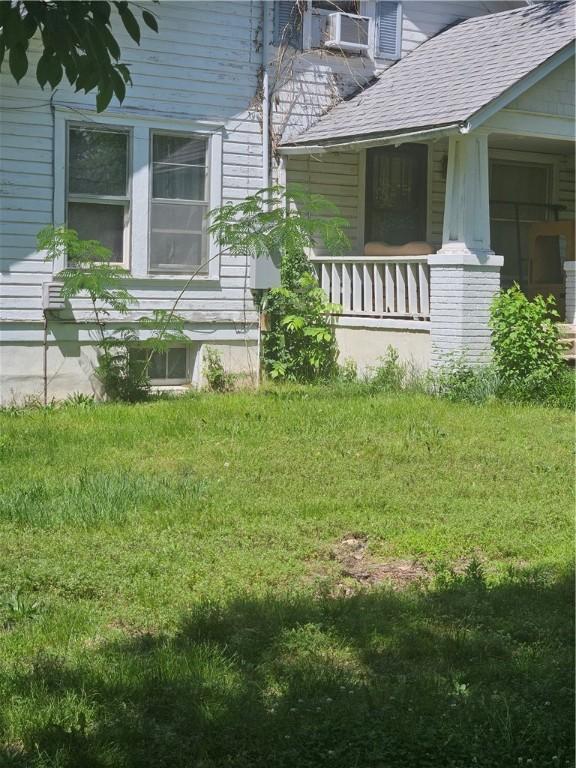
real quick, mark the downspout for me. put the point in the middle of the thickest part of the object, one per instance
(265, 153)
(265, 97)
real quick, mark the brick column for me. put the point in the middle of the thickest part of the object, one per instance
(465, 273)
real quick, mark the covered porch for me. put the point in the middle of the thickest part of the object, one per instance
(444, 215)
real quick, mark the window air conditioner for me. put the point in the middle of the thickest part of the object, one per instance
(348, 32)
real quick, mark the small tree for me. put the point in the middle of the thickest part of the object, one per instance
(122, 373)
(300, 345)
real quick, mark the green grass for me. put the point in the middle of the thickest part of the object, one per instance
(172, 597)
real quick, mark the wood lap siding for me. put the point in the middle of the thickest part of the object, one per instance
(337, 176)
(203, 65)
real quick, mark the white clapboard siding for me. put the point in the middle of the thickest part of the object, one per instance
(203, 65)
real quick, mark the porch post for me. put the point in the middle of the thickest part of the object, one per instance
(570, 284)
(465, 273)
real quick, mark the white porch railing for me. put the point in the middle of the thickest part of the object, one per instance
(376, 286)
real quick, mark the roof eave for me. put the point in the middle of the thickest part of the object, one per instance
(356, 143)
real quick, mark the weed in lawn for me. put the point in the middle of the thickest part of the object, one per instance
(98, 498)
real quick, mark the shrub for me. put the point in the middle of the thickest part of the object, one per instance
(301, 344)
(217, 378)
(528, 355)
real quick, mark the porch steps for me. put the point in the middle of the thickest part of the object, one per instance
(568, 341)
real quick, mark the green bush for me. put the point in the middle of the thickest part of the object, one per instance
(301, 344)
(528, 356)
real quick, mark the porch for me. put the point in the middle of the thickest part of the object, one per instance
(455, 169)
(510, 207)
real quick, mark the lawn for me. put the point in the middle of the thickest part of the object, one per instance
(294, 579)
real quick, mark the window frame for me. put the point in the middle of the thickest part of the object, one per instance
(91, 199)
(166, 382)
(368, 9)
(140, 127)
(205, 249)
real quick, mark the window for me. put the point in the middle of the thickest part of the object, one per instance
(305, 24)
(396, 194)
(178, 237)
(519, 196)
(98, 197)
(169, 367)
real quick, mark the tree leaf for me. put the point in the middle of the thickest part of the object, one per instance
(18, 62)
(150, 20)
(104, 96)
(42, 69)
(55, 71)
(130, 22)
(118, 86)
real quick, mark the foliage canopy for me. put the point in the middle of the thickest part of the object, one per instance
(77, 42)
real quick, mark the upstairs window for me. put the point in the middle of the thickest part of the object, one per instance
(178, 237)
(98, 196)
(310, 24)
(388, 30)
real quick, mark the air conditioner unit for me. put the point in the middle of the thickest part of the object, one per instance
(348, 32)
(52, 299)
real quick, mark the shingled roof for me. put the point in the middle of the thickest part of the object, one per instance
(452, 76)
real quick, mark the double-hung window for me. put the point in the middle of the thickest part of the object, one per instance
(179, 203)
(98, 187)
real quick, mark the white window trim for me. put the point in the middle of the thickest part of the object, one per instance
(140, 128)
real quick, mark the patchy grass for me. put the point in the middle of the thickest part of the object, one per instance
(299, 578)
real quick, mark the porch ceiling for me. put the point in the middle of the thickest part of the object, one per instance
(531, 144)
(454, 81)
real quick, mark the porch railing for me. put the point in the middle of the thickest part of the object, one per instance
(376, 286)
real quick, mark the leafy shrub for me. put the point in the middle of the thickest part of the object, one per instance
(528, 355)
(217, 378)
(301, 344)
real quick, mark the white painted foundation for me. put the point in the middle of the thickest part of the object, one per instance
(70, 368)
(366, 345)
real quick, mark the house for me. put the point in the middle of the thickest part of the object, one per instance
(442, 130)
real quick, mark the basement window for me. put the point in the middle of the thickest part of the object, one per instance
(171, 367)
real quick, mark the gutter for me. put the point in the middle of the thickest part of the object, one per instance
(357, 144)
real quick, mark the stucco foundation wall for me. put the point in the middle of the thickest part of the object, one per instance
(366, 345)
(70, 367)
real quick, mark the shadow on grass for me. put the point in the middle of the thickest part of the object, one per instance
(464, 675)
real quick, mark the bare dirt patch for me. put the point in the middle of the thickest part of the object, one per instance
(357, 564)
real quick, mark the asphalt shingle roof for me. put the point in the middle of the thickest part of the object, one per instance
(451, 76)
